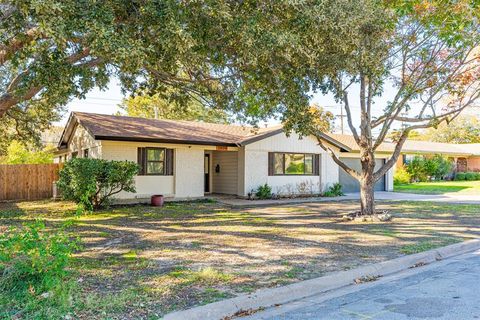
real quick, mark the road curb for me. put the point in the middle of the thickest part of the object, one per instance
(265, 298)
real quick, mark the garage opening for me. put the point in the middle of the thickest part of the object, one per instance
(350, 185)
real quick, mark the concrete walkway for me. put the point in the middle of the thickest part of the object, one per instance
(442, 290)
(380, 195)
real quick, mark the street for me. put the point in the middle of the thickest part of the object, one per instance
(448, 289)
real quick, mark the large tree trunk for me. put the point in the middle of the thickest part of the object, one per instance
(367, 183)
(367, 195)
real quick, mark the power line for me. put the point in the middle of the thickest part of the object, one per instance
(100, 98)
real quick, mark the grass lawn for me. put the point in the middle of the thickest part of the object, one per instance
(441, 187)
(141, 262)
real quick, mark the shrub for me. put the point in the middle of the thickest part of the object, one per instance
(460, 176)
(334, 191)
(416, 169)
(421, 169)
(92, 182)
(401, 176)
(33, 265)
(470, 176)
(440, 167)
(264, 192)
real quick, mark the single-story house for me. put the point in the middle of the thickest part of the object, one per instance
(183, 159)
(466, 157)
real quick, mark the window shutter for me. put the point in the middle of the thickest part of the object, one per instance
(270, 163)
(316, 164)
(169, 162)
(141, 154)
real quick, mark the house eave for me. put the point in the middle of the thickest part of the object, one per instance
(157, 140)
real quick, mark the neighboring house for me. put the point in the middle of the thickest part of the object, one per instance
(466, 157)
(183, 159)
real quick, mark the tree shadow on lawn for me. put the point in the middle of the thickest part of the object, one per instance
(136, 256)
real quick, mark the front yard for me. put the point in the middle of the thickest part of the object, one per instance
(141, 262)
(441, 187)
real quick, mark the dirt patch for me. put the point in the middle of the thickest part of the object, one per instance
(141, 262)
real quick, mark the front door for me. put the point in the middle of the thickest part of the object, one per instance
(206, 165)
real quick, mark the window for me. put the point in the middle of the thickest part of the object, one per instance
(85, 153)
(74, 154)
(155, 161)
(293, 164)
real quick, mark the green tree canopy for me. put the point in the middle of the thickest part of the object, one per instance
(18, 153)
(235, 55)
(424, 54)
(464, 129)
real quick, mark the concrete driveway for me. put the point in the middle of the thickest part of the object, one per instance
(443, 290)
(379, 195)
(447, 197)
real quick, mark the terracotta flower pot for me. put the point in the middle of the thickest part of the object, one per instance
(157, 200)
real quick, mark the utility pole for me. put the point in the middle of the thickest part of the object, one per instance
(341, 115)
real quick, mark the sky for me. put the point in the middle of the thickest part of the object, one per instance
(107, 101)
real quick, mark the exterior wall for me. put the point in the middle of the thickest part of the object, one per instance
(473, 163)
(189, 172)
(82, 140)
(256, 166)
(146, 185)
(225, 181)
(328, 171)
(186, 182)
(241, 172)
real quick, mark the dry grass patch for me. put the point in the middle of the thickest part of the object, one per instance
(140, 262)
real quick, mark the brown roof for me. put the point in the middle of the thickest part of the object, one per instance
(410, 146)
(110, 127)
(121, 128)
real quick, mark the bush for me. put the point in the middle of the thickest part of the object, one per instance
(416, 169)
(401, 176)
(421, 169)
(92, 182)
(334, 191)
(460, 176)
(264, 192)
(33, 265)
(440, 167)
(470, 176)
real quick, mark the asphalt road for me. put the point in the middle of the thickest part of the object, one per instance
(448, 289)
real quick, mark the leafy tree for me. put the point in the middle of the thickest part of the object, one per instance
(424, 52)
(423, 169)
(158, 106)
(464, 129)
(221, 53)
(18, 153)
(416, 169)
(92, 182)
(256, 59)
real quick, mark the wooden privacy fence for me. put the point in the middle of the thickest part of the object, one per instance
(27, 181)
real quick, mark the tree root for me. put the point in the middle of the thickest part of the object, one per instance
(378, 216)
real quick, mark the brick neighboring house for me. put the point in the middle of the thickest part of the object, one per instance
(466, 157)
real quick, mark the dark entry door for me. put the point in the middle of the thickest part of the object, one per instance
(206, 165)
